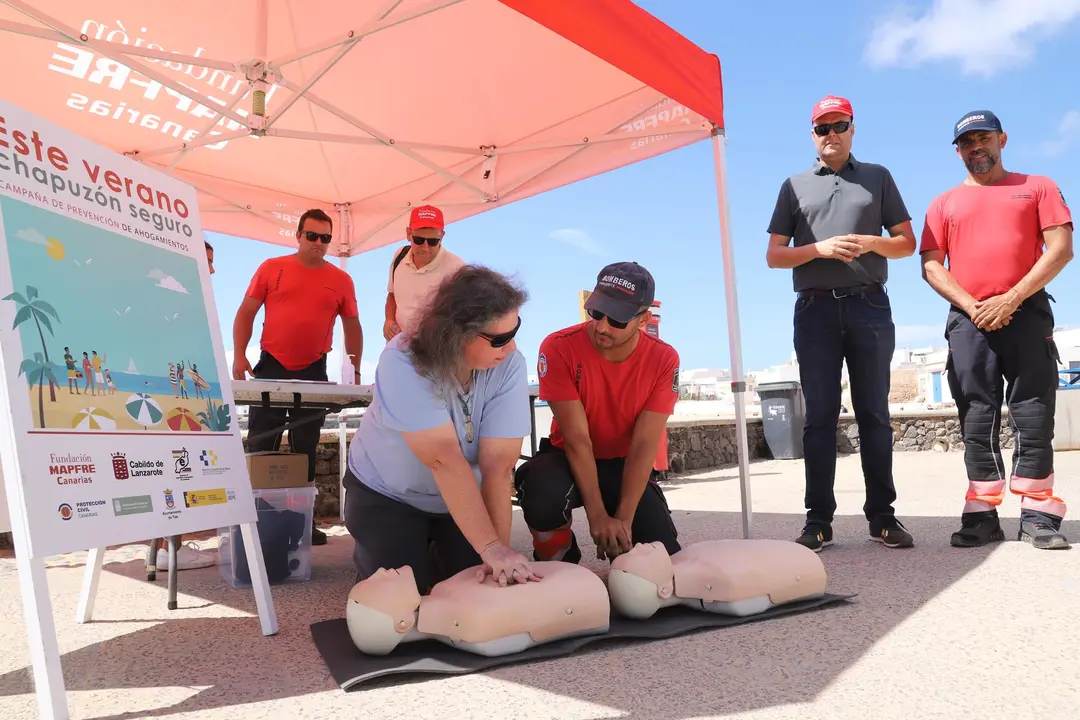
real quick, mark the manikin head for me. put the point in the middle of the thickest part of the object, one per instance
(641, 580)
(382, 609)
(619, 304)
(313, 234)
(425, 232)
(832, 129)
(469, 324)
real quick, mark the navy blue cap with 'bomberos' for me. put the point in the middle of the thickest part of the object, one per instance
(623, 291)
(976, 120)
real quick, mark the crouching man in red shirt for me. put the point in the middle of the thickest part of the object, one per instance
(1005, 235)
(611, 388)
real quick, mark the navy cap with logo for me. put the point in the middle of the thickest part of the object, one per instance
(623, 291)
(976, 120)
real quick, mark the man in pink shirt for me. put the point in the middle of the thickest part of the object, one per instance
(417, 270)
(1005, 236)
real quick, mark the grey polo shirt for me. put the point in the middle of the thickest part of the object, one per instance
(818, 204)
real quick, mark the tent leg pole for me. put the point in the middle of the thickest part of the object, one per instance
(738, 385)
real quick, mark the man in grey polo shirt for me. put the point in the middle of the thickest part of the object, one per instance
(835, 212)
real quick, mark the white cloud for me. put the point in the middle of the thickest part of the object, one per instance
(1068, 132)
(31, 235)
(919, 334)
(578, 239)
(984, 36)
(168, 282)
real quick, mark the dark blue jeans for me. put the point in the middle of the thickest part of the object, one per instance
(858, 328)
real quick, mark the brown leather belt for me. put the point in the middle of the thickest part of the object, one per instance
(854, 290)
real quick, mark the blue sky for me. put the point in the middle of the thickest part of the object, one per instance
(910, 71)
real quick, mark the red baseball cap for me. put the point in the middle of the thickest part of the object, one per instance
(426, 216)
(831, 103)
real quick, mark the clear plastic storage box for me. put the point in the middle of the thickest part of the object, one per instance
(284, 521)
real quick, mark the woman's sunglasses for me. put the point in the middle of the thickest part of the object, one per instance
(502, 339)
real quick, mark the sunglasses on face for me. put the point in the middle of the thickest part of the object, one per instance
(432, 242)
(598, 316)
(840, 126)
(502, 339)
(313, 236)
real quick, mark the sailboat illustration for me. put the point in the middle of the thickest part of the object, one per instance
(131, 369)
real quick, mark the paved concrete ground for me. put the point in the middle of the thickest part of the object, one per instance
(936, 632)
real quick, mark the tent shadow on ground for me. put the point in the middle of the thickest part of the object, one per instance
(750, 667)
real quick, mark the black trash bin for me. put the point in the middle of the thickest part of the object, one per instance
(782, 416)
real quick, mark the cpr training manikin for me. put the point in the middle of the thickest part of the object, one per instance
(731, 577)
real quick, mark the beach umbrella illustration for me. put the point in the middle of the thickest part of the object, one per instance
(143, 409)
(93, 418)
(182, 419)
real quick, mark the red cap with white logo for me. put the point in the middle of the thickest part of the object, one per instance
(830, 104)
(426, 216)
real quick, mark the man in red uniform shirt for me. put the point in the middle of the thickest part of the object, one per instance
(303, 295)
(611, 388)
(1005, 236)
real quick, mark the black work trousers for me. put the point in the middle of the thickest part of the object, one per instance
(1016, 365)
(302, 438)
(548, 495)
(390, 534)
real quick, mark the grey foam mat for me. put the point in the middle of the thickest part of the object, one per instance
(352, 668)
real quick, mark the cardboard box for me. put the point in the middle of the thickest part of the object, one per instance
(270, 470)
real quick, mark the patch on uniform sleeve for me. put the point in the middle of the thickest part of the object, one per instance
(675, 381)
(541, 365)
(1062, 194)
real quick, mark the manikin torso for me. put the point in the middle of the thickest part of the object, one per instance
(731, 577)
(386, 610)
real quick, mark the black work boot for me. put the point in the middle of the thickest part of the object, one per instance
(978, 529)
(1042, 534)
(815, 536)
(890, 532)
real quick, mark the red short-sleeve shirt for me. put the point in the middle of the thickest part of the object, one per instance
(992, 234)
(301, 304)
(613, 394)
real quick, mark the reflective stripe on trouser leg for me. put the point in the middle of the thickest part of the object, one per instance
(1038, 495)
(984, 495)
(551, 544)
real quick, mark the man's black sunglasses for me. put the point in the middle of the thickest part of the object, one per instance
(502, 339)
(840, 126)
(598, 316)
(417, 240)
(312, 236)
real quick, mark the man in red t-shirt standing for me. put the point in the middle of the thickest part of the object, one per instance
(1005, 235)
(303, 296)
(611, 388)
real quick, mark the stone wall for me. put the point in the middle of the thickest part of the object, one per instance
(702, 444)
(931, 431)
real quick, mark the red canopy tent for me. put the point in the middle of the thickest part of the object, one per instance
(370, 107)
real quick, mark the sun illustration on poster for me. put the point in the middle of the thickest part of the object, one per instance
(114, 331)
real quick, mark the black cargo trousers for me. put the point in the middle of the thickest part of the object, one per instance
(1018, 365)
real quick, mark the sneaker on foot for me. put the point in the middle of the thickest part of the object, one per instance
(816, 537)
(891, 533)
(318, 537)
(189, 556)
(978, 529)
(1042, 534)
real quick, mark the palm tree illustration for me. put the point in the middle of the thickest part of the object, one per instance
(37, 371)
(31, 306)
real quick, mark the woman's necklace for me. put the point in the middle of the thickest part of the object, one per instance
(465, 400)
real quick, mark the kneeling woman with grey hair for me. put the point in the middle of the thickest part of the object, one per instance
(429, 473)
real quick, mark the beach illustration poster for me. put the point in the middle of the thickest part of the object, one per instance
(119, 341)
